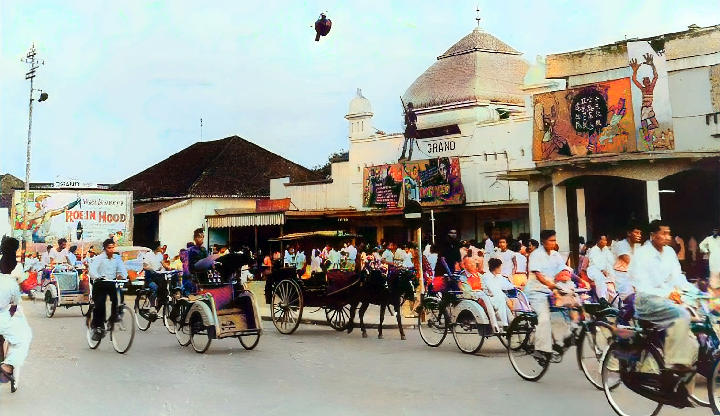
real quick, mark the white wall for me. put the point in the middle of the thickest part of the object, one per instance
(4, 222)
(177, 222)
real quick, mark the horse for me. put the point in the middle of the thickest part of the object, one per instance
(377, 289)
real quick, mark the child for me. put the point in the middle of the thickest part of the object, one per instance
(565, 289)
(494, 284)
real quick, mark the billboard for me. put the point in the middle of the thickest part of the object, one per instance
(431, 182)
(593, 119)
(651, 98)
(90, 216)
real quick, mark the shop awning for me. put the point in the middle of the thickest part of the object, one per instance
(250, 219)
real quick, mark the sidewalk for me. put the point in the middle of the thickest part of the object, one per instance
(315, 316)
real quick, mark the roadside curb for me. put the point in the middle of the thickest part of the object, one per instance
(357, 325)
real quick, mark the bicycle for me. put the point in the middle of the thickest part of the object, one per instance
(143, 315)
(122, 333)
(636, 380)
(590, 335)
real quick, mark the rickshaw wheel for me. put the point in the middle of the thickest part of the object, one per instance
(466, 332)
(249, 341)
(432, 322)
(199, 337)
(338, 317)
(50, 304)
(287, 306)
(182, 333)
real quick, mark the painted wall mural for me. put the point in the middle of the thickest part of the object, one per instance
(651, 97)
(592, 119)
(431, 182)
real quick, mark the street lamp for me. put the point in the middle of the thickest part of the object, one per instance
(33, 64)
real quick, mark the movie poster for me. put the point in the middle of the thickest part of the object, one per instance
(431, 182)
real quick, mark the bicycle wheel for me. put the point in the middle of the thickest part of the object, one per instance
(51, 303)
(199, 336)
(713, 386)
(466, 332)
(521, 349)
(701, 393)
(249, 341)
(142, 312)
(182, 333)
(89, 331)
(169, 324)
(123, 331)
(432, 322)
(622, 399)
(84, 309)
(591, 344)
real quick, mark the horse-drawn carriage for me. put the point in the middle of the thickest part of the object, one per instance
(63, 285)
(222, 308)
(289, 290)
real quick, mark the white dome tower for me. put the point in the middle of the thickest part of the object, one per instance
(360, 117)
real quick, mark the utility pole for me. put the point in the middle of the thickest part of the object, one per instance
(33, 64)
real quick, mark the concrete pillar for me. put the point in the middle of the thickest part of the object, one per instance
(561, 218)
(582, 221)
(653, 200)
(535, 215)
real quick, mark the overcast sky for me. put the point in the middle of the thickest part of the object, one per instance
(130, 80)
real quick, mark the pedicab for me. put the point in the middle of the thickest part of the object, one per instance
(62, 285)
(289, 293)
(222, 308)
(468, 314)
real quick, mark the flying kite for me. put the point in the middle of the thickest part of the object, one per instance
(322, 26)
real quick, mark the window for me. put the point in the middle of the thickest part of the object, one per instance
(504, 114)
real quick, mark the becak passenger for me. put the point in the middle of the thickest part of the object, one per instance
(495, 284)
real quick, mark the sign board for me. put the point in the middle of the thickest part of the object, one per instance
(432, 182)
(73, 184)
(272, 205)
(90, 216)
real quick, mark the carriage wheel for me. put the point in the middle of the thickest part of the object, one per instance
(249, 341)
(50, 304)
(622, 399)
(199, 336)
(338, 317)
(142, 312)
(521, 349)
(432, 322)
(466, 332)
(287, 306)
(123, 332)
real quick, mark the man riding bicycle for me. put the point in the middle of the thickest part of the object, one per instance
(655, 272)
(103, 270)
(152, 264)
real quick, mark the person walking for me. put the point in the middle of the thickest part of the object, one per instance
(711, 246)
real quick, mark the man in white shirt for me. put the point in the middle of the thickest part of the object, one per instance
(623, 251)
(103, 270)
(655, 272)
(152, 262)
(45, 257)
(13, 327)
(495, 285)
(59, 256)
(544, 264)
(507, 256)
(600, 268)
(711, 246)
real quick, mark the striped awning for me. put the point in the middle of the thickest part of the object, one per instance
(246, 220)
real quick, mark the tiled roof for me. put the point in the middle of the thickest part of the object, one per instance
(228, 167)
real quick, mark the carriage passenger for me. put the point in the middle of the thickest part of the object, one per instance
(495, 284)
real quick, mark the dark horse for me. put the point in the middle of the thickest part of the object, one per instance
(376, 289)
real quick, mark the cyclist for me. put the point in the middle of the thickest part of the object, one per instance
(152, 264)
(655, 272)
(103, 270)
(545, 264)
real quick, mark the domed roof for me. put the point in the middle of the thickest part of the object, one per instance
(478, 68)
(359, 104)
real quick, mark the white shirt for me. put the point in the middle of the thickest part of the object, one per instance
(387, 255)
(521, 261)
(352, 252)
(496, 283)
(655, 273)
(407, 261)
(58, 256)
(103, 267)
(9, 292)
(549, 264)
(489, 246)
(432, 258)
(601, 258)
(507, 261)
(45, 258)
(152, 261)
(621, 248)
(712, 245)
(300, 260)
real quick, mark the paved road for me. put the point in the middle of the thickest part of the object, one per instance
(315, 371)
